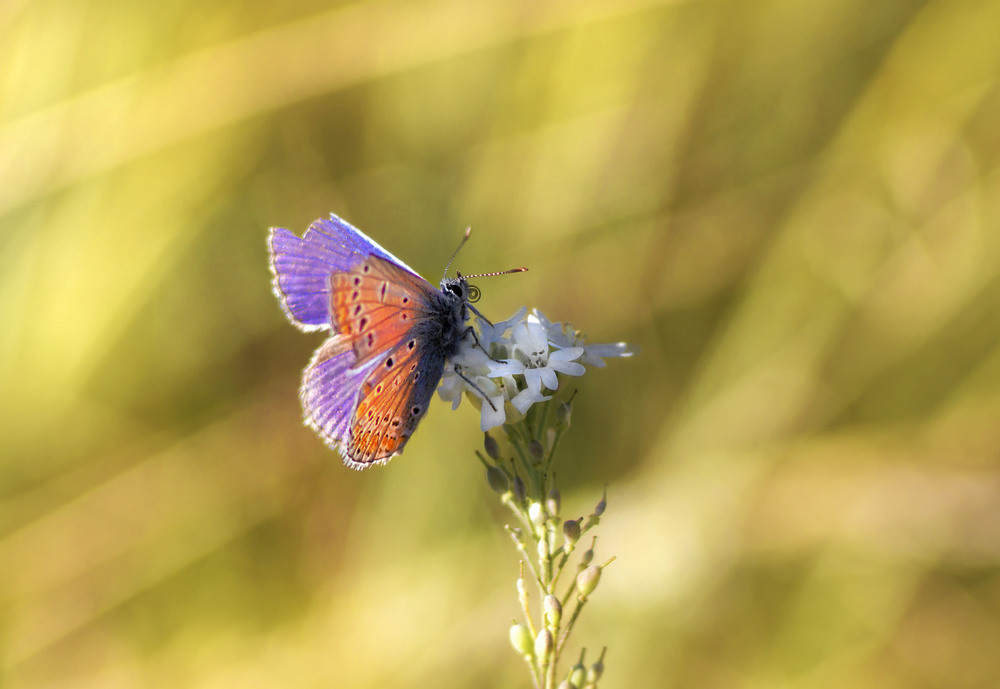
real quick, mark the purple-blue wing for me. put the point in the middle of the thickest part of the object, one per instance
(302, 266)
(329, 392)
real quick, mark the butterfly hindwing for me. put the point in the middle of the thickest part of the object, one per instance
(394, 397)
(329, 391)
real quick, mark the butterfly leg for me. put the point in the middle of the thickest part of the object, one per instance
(476, 311)
(458, 371)
(471, 331)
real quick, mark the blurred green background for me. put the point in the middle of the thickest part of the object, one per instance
(792, 208)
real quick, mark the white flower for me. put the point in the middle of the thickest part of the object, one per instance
(563, 336)
(527, 354)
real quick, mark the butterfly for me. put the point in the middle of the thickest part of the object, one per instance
(367, 387)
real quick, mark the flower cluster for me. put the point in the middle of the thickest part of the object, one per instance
(513, 363)
(511, 371)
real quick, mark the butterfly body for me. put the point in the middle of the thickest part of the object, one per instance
(392, 333)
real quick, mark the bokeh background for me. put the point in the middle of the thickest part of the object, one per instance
(792, 208)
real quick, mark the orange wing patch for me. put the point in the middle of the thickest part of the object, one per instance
(376, 304)
(387, 413)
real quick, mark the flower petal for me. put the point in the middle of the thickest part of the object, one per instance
(533, 379)
(510, 367)
(594, 354)
(522, 401)
(493, 414)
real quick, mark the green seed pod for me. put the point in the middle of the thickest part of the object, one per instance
(563, 414)
(491, 446)
(520, 639)
(554, 502)
(544, 644)
(597, 669)
(552, 610)
(522, 590)
(520, 492)
(543, 548)
(571, 530)
(602, 505)
(536, 450)
(586, 581)
(588, 554)
(577, 676)
(536, 513)
(497, 480)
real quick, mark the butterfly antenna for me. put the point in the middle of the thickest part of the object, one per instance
(468, 231)
(499, 272)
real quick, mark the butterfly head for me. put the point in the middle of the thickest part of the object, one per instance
(460, 289)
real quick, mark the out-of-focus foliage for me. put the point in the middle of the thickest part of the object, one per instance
(792, 207)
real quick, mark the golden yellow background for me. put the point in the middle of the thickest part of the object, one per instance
(793, 208)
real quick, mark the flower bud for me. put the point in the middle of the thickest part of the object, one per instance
(536, 451)
(536, 513)
(543, 548)
(586, 581)
(597, 669)
(519, 490)
(563, 414)
(522, 588)
(577, 676)
(554, 502)
(571, 530)
(602, 505)
(543, 646)
(520, 639)
(491, 446)
(497, 480)
(552, 610)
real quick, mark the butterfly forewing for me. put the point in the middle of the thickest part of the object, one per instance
(377, 305)
(389, 316)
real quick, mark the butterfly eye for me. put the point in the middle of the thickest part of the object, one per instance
(474, 294)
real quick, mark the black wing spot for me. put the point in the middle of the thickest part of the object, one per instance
(416, 409)
(362, 324)
(371, 339)
(357, 281)
(396, 422)
(385, 286)
(404, 315)
(411, 344)
(355, 295)
(406, 300)
(413, 366)
(358, 309)
(367, 268)
(388, 362)
(416, 376)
